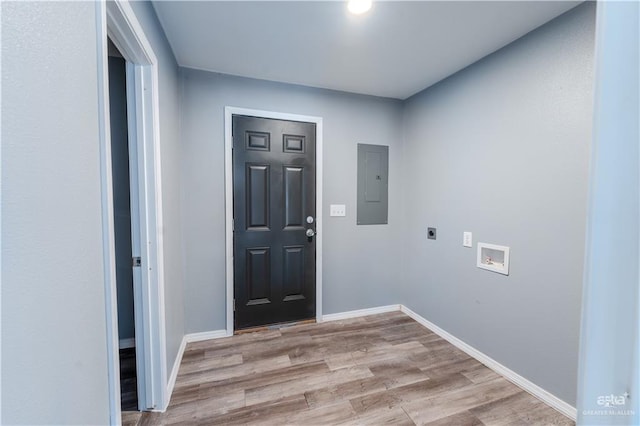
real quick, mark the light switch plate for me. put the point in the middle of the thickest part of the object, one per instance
(339, 210)
(467, 239)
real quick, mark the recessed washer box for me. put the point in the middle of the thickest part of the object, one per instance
(493, 258)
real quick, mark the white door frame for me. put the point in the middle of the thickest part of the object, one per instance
(229, 112)
(117, 21)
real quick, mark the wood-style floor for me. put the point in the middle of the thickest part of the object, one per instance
(380, 369)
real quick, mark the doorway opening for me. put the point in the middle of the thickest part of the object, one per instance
(123, 224)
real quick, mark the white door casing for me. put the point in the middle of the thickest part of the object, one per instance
(116, 20)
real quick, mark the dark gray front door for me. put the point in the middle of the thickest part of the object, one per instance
(274, 209)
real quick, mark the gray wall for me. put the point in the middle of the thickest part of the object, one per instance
(610, 341)
(360, 262)
(170, 151)
(501, 149)
(54, 357)
(53, 313)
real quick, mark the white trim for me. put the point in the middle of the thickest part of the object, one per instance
(361, 313)
(116, 20)
(127, 33)
(127, 343)
(206, 335)
(535, 390)
(136, 164)
(108, 227)
(228, 177)
(176, 367)
(189, 338)
(319, 217)
(228, 200)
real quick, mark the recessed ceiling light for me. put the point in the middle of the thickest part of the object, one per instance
(358, 7)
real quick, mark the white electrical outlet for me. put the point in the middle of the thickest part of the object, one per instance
(467, 239)
(339, 210)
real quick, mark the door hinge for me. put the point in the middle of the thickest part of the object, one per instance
(234, 305)
(233, 225)
(136, 262)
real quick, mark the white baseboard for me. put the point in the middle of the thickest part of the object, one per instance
(535, 390)
(174, 370)
(360, 313)
(127, 343)
(188, 338)
(206, 335)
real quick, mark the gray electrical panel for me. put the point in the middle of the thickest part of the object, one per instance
(373, 184)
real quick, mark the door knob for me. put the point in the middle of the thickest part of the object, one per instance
(310, 233)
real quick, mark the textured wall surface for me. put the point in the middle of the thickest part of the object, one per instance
(53, 328)
(54, 357)
(501, 149)
(360, 262)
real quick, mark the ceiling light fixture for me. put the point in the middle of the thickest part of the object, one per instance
(358, 7)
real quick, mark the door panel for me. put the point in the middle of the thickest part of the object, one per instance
(293, 267)
(294, 197)
(273, 194)
(258, 276)
(257, 190)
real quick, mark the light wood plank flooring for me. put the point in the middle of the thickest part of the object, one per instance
(380, 369)
(131, 418)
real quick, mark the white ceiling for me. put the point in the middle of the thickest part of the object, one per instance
(395, 50)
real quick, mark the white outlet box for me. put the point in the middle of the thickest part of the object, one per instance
(338, 210)
(467, 239)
